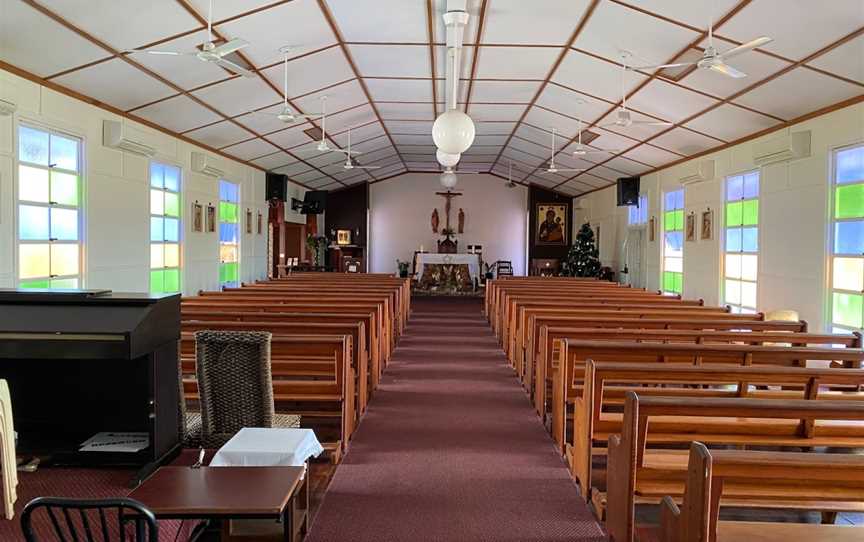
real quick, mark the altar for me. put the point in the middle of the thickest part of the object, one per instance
(447, 272)
(471, 260)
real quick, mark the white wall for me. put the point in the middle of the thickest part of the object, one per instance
(794, 219)
(116, 202)
(401, 211)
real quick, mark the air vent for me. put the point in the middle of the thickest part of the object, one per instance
(313, 133)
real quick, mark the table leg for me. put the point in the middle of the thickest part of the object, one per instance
(288, 521)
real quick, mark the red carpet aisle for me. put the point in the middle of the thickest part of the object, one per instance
(449, 449)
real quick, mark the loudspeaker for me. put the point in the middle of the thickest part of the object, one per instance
(314, 202)
(276, 186)
(628, 191)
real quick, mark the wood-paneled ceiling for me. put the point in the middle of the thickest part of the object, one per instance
(528, 66)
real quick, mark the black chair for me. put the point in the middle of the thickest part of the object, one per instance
(77, 520)
(504, 268)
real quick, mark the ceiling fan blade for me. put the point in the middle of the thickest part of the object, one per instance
(232, 67)
(744, 47)
(651, 123)
(164, 53)
(660, 66)
(229, 47)
(726, 69)
(367, 167)
(343, 151)
(308, 115)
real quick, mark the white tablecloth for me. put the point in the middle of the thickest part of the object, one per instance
(471, 260)
(265, 447)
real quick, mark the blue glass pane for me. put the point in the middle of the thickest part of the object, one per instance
(64, 153)
(32, 222)
(669, 201)
(750, 240)
(849, 237)
(33, 146)
(751, 185)
(172, 178)
(157, 175)
(64, 224)
(228, 232)
(850, 165)
(227, 191)
(734, 188)
(157, 229)
(172, 229)
(674, 240)
(679, 199)
(733, 240)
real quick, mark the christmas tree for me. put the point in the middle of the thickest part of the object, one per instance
(582, 259)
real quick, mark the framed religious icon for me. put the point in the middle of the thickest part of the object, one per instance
(211, 218)
(343, 237)
(260, 223)
(551, 224)
(248, 221)
(197, 217)
(690, 227)
(651, 230)
(707, 229)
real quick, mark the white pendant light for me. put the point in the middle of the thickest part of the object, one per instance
(449, 179)
(447, 160)
(453, 132)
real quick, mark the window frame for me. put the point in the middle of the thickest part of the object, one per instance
(17, 202)
(664, 231)
(236, 244)
(180, 226)
(740, 307)
(832, 222)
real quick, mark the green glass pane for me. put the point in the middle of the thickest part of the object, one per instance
(64, 188)
(679, 220)
(668, 281)
(35, 284)
(157, 281)
(847, 309)
(221, 273)
(229, 272)
(750, 212)
(849, 201)
(679, 282)
(734, 213)
(172, 204)
(172, 280)
(227, 211)
(669, 220)
(64, 284)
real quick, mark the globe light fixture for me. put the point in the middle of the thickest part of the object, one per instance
(453, 132)
(449, 179)
(447, 160)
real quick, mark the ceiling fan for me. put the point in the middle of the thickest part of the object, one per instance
(350, 162)
(551, 167)
(623, 119)
(286, 115)
(714, 61)
(510, 183)
(580, 149)
(209, 51)
(323, 146)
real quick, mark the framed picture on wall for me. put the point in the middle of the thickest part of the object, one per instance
(249, 221)
(551, 225)
(651, 230)
(707, 228)
(690, 227)
(260, 223)
(211, 218)
(197, 217)
(343, 237)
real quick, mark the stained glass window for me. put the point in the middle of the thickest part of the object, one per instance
(673, 242)
(638, 214)
(49, 214)
(847, 257)
(741, 260)
(229, 234)
(164, 228)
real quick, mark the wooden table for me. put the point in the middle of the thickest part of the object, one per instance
(225, 493)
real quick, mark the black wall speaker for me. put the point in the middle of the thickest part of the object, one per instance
(276, 186)
(628, 191)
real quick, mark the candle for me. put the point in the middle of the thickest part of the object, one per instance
(421, 248)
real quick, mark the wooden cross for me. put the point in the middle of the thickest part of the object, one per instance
(448, 196)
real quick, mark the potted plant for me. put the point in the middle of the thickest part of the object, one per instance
(489, 270)
(403, 268)
(316, 246)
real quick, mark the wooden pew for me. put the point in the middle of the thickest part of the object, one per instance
(640, 475)
(596, 413)
(496, 288)
(567, 377)
(809, 477)
(312, 377)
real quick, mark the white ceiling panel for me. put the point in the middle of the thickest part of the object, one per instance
(619, 163)
(146, 21)
(417, 139)
(116, 83)
(493, 128)
(313, 178)
(291, 137)
(293, 169)
(693, 13)
(541, 118)
(400, 90)
(348, 119)
(504, 91)
(669, 102)
(614, 27)
(392, 60)
(648, 154)
(685, 142)
(537, 149)
(178, 114)
(493, 112)
(515, 62)
(612, 141)
(379, 154)
(220, 134)
(312, 72)
(490, 139)
(362, 20)
(594, 76)
(798, 92)
(224, 9)
(518, 21)
(22, 43)
(251, 149)
(537, 134)
(403, 127)
(299, 23)
(798, 28)
(606, 173)
(273, 161)
(361, 133)
(572, 103)
(519, 156)
(343, 96)
(730, 122)
(397, 111)
(225, 96)
(846, 60)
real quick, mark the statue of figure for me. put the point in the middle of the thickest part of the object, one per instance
(435, 221)
(461, 221)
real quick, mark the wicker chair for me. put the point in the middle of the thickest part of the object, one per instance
(235, 387)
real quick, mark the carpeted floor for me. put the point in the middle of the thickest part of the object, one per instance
(450, 449)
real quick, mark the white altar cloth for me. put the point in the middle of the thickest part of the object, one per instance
(471, 260)
(260, 447)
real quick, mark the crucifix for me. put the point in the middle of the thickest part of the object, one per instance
(448, 196)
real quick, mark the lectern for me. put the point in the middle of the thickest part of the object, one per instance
(84, 362)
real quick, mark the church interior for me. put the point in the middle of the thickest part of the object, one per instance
(432, 270)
